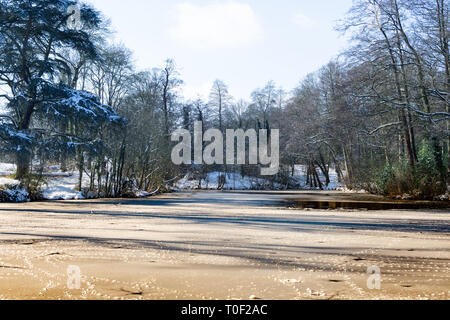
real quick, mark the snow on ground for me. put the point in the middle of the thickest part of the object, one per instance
(234, 181)
(62, 188)
(300, 176)
(346, 190)
(16, 195)
(62, 185)
(7, 169)
(8, 182)
(58, 185)
(9, 188)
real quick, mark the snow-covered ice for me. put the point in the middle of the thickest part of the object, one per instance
(220, 245)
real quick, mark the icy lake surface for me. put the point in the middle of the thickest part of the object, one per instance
(207, 245)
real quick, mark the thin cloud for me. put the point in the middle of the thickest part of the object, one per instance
(221, 25)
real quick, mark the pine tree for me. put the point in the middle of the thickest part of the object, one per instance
(33, 36)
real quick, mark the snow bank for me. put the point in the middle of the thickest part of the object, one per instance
(13, 193)
(62, 188)
(346, 190)
(8, 182)
(300, 173)
(7, 169)
(59, 185)
(10, 190)
(234, 181)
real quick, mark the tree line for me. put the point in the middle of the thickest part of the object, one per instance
(378, 114)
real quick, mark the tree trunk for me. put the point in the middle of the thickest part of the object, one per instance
(348, 165)
(80, 171)
(316, 177)
(402, 114)
(443, 35)
(23, 159)
(23, 156)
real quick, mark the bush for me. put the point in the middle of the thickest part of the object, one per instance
(13, 193)
(32, 183)
(431, 175)
(425, 181)
(384, 178)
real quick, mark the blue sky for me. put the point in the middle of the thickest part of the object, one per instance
(245, 43)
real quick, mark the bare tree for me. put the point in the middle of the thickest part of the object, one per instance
(219, 100)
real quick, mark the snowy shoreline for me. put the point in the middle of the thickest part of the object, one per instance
(61, 185)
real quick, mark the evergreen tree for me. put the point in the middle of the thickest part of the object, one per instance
(33, 36)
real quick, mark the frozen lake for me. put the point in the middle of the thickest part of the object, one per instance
(225, 245)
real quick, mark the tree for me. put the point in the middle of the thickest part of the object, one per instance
(170, 82)
(433, 25)
(264, 101)
(32, 36)
(219, 100)
(110, 75)
(146, 160)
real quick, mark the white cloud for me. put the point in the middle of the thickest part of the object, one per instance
(214, 26)
(304, 22)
